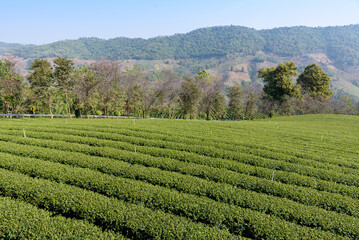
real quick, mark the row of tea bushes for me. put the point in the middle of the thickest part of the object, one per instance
(20, 220)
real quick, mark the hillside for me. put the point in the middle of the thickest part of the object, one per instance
(283, 178)
(339, 43)
(6, 47)
(233, 51)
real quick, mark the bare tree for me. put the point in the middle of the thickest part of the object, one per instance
(85, 90)
(209, 96)
(108, 74)
(209, 86)
(133, 91)
(159, 90)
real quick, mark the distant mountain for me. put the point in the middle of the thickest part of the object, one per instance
(341, 44)
(5, 47)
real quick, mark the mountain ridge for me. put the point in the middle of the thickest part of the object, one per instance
(210, 42)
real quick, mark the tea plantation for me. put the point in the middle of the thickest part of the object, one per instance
(283, 178)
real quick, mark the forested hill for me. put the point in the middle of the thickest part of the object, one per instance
(4, 47)
(341, 44)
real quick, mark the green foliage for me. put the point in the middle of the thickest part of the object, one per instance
(189, 97)
(134, 100)
(219, 106)
(85, 89)
(42, 82)
(5, 47)
(41, 76)
(278, 81)
(216, 41)
(333, 202)
(11, 87)
(134, 94)
(315, 82)
(202, 77)
(105, 86)
(63, 76)
(251, 106)
(235, 102)
(62, 72)
(211, 100)
(5, 69)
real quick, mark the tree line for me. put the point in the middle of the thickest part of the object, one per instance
(112, 88)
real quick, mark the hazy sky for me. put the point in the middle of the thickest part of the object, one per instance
(45, 21)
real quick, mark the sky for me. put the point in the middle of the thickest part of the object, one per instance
(46, 21)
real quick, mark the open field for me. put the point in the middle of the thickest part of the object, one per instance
(283, 178)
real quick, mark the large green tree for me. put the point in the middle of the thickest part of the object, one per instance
(11, 86)
(189, 97)
(85, 90)
(315, 82)
(235, 102)
(219, 105)
(250, 106)
(63, 77)
(278, 81)
(134, 99)
(42, 82)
